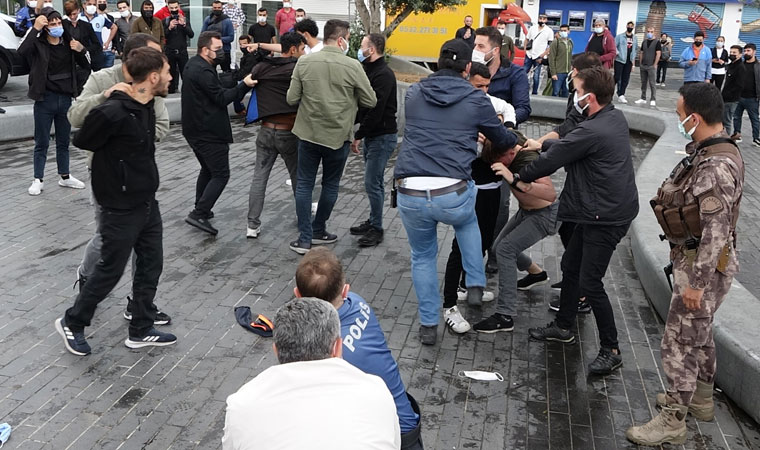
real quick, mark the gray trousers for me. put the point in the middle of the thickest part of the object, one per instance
(729, 110)
(269, 144)
(501, 218)
(648, 76)
(523, 230)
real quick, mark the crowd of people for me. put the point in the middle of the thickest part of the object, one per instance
(461, 159)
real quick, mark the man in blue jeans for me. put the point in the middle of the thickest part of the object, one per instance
(749, 97)
(444, 114)
(378, 129)
(541, 37)
(328, 88)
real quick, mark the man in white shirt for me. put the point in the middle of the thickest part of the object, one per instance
(539, 38)
(314, 399)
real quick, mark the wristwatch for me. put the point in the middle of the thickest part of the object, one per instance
(515, 180)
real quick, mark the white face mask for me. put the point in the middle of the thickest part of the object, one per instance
(481, 375)
(47, 5)
(286, 5)
(262, 19)
(719, 44)
(298, 19)
(125, 14)
(33, 4)
(345, 50)
(576, 103)
(598, 30)
(90, 9)
(478, 56)
(502, 31)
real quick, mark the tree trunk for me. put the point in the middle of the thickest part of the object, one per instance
(375, 15)
(397, 20)
(364, 14)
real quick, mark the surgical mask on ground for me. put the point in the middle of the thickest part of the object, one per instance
(576, 103)
(125, 14)
(5, 433)
(598, 30)
(478, 56)
(262, 19)
(481, 375)
(564, 34)
(55, 31)
(91, 9)
(684, 133)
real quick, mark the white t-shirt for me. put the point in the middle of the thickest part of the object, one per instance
(308, 50)
(317, 405)
(541, 39)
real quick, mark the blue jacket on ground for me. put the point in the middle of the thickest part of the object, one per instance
(223, 25)
(510, 83)
(24, 20)
(621, 44)
(364, 347)
(444, 114)
(702, 70)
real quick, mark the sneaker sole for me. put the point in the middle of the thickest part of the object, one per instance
(134, 344)
(59, 329)
(495, 331)
(606, 372)
(580, 311)
(675, 440)
(70, 187)
(537, 283)
(199, 226)
(155, 322)
(252, 236)
(299, 250)
(457, 332)
(323, 241)
(571, 340)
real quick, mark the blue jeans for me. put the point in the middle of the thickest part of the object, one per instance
(108, 58)
(751, 105)
(420, 216)
(377, 152)
(51, 109)
(529, 63)
(559, 86)
(333, 161)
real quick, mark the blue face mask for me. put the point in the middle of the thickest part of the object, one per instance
(361, 56)
(563, 34)
(55, 31)
(684, 133)
(650, 36)
(5, 433)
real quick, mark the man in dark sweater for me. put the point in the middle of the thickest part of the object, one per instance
(733, 86)
(377, 126)
(121, 133)
(750, 96)
(275, 136)
(601, 198)
(206, 125)
(177, 30)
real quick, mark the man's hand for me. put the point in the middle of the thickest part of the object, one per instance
(467, 34)
(501, 169)
(531, 144)
(481, 138)
(355, 147)
(123, 87)
(181, 20)
(555, 78)
(539, 60)
(76, 45)
(40, 22)
(693, 62)
(249, 81)
(692, 298)
(173, 24)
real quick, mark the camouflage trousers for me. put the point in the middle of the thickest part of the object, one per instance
(688, 349)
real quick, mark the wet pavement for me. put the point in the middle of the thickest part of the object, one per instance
(174, 397)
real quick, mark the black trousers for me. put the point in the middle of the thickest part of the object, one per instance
(662, 70)
(584, 264)
(214, 175)
(622, 76)
(140, 229)
(177, 60)
(486, 209)
(717, 80)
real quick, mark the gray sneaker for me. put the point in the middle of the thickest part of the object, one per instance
(428, 335)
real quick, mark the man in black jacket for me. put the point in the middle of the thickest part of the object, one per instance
(206, 125)
(277, 117)
(53, 58)
(378, 129)
(121, 133)
(601, 198)
(734, 84)
(177, 31)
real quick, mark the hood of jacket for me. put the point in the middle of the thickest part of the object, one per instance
(445, 88)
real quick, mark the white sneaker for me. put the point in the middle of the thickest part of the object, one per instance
(653, 103)
(71, 182)
(622, 99)
(640, 101)
(36, 187)
(252, 232)
(455, 321)
(488, 296)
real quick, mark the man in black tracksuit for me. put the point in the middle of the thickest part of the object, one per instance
(121, 133)
(177, 31)
(206, 125)
(601, 198)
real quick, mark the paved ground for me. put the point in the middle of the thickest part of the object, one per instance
(175, 397)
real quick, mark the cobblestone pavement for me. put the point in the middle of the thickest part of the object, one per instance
(174, 397)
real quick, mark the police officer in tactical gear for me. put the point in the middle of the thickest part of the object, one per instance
(697, 208)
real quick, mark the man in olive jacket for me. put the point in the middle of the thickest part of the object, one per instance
(330, 87)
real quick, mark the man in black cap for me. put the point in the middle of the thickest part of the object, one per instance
(444, 114)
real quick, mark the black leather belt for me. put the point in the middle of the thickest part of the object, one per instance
(459, 188)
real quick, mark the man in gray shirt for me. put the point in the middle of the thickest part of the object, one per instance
(649, 56)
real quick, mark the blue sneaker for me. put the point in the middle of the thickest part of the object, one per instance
(74, 342)
(300, 247)
(153, 338)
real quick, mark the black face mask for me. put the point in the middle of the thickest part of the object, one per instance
(732, 58)
(697, 43)
(663, 41)
(147, 15)
(102, 7)
(216, 12)
(175, 14)
(630, 30)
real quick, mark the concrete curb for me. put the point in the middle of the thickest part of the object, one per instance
(735, 323)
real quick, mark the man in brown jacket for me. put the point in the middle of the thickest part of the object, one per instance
(147, 24)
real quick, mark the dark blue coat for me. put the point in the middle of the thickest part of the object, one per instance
(444, 114)
(510, 83)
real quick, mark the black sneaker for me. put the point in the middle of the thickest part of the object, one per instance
(531, 280)
(583, 306)
(428, 335)
(300, 247)
(494, 324)
(371, 238)
(552, 333)
(360, 229)
(557, 285)
(737, 137)
(323, 238)
(73, 341)
(201, 223)
(161, 318)
(605, 362)
(756, 142)
(153, 338)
